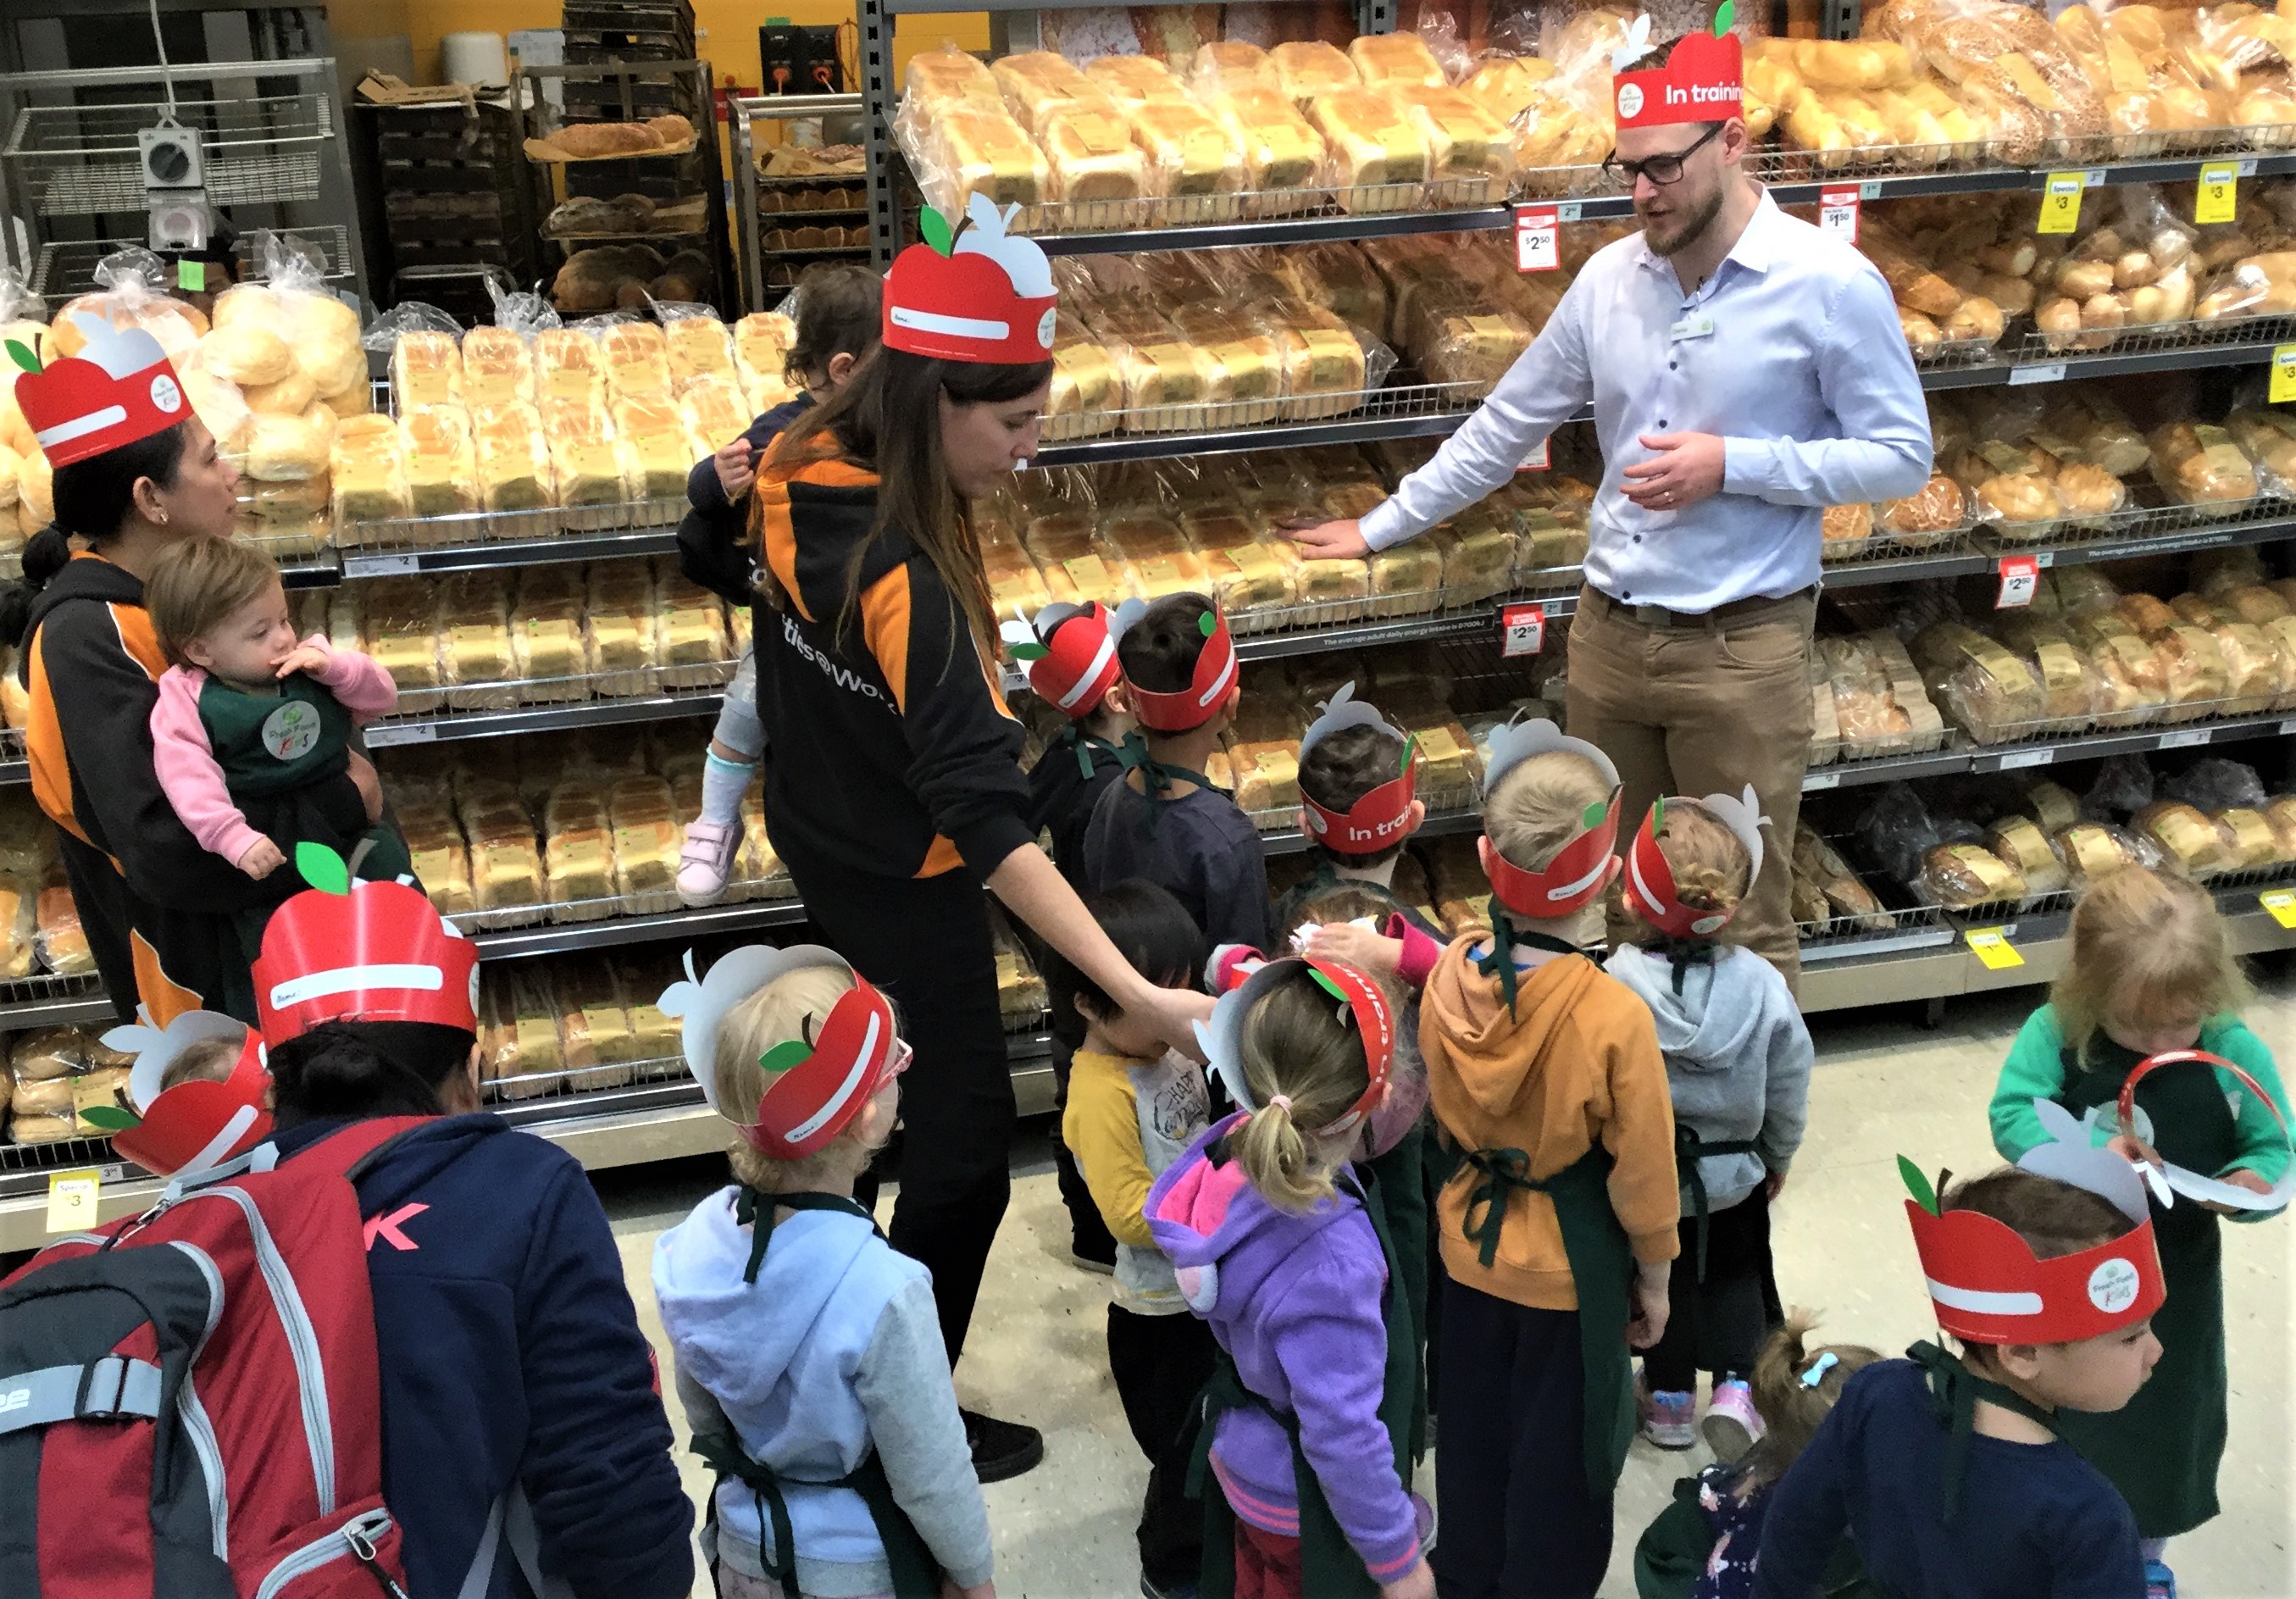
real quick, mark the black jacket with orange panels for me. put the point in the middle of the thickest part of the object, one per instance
(891, 748)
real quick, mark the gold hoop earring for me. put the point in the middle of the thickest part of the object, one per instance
(163, 519)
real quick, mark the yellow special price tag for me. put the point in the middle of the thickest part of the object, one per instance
(71, 1200)
(2061, 203)
(2218, 193)
(1991, 945)
(2282, 904)
(2282, 388)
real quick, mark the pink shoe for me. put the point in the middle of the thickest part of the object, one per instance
(1670, 1420)
(1732, 1424)
(706, 861)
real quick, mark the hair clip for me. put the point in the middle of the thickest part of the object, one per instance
(1818, 1368)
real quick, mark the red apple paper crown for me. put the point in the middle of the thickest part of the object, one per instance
(1208, 683)
(1070, 655)
(1376, 819)
(1361, 1003)
(1987, 1287)
(197, 1125)
(823, 1080)
(1650, 890)
(345, 950)
(117, 389)
(1581, 869)
(971, 293)
(1702, 80)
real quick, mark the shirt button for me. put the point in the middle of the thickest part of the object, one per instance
(1671, 365)
(1638, 538)
(1662, 421)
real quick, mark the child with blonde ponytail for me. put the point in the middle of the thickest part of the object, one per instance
(1703, 1545)
(1307, 1418)
(1737, 1067)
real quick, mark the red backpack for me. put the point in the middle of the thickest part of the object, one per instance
(188, 1398)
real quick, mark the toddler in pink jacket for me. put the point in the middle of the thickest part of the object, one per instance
(251, 736)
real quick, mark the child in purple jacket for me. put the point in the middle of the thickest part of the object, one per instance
(1309, 1413)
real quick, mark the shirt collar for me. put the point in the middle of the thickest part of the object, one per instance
(1756, 247)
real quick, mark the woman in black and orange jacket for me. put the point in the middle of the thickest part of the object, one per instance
(155, 906)
(893, 783)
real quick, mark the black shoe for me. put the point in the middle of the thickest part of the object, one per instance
(1152, 1589)
(1001, 1450)
(1085, 1258)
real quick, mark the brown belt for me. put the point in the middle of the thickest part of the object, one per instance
(1721, 616)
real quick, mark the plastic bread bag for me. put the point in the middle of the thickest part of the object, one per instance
(2263, 284)
(2215, 783)
(2252, 662)
(407, 316)
(2070, 693)
(1169, 384)
(2123, 786)
(2091, 850)
(2011, 487)
(2082, 589)
(2085, 426)
(131, 292)
(2187, 839)
(1961, 876)
(1339, 277)
(2267, 436)
(1896, 830)
(2132, 676)
(398, 626)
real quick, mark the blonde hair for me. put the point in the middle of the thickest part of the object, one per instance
(2149, 949)
(1295, 1046)
(196, 584)
(1790, 1407)
(1540, 805)
(794, 1005)
(1712, 868)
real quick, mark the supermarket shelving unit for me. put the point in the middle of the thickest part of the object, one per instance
(742, 113)
(1922, 956)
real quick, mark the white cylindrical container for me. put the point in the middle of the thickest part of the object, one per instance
(473, 58)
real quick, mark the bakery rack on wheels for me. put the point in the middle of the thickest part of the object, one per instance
(272, 138)
(445, 186)
(771, 212)
(672, 181)
(1917, 953)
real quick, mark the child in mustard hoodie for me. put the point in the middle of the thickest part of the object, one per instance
(1559, 1228)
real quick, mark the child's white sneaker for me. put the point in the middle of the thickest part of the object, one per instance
(706, 861)
(1732, 1424)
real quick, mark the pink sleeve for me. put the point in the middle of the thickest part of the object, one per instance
(1420, 951)
(185, 765)
(362, 683)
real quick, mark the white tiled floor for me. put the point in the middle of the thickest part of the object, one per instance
(1883, 1086)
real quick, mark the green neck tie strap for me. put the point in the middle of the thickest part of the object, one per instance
(1954, 1392)
(1498, 961)
(755, 1210)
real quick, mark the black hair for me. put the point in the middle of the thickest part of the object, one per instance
(363, 1069)
(1150, 929)
(839, 313)
(1342, 768)
(1159, 651)
(93, 499)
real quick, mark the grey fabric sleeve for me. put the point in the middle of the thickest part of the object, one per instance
(1786, 1109)
(903, 1384)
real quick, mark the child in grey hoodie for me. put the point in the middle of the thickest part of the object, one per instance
(810, 1355)
(1737, 1065)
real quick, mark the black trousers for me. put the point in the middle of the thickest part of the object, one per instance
(1161, 1363)
(1717, 1325)
(1519, 1520)
(925, 942)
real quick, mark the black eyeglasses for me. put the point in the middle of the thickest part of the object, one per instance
(1660, 169)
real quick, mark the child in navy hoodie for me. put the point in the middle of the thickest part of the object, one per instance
(809, 1355)
(1309, 1415)
(837, 325)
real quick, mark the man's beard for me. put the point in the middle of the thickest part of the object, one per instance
(1690, 226)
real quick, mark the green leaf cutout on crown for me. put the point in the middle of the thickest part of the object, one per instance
(323, 868)
(1029, 651)
(789, 1051)
(936, 231)
(1328, 986)
(1918, 1185)
(1206, 624)
(22, 356)
(111, 1118)
(1410, 745)
(1725, 14)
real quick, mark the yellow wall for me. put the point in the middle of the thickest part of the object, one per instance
(730, 44)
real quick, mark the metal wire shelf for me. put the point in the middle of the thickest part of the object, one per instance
(1876, 932)
(1792, 165)
(83, 161)
(494, 709)
(1955, 352)
(420, 535)
(2151, 338)
(568, 1082)
(1201, 210)
(1883, 546)
(652, 902)
(66, 267)
(2145, 521)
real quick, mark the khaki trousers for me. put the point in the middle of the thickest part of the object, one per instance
(1705, 710)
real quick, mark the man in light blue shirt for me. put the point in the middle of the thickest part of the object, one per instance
(1746, 370)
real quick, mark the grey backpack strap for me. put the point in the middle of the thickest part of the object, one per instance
(526, 1546)
(480, 1576)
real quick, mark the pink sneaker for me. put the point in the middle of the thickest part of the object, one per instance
(1732, 1424)
(1670, 1420)
(706, 860)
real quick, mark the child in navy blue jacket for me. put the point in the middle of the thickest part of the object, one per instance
(523, 1437)
(836, 326)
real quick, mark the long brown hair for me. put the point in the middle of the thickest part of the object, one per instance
(2151, 949)
(887, 419)
(1295, 1046)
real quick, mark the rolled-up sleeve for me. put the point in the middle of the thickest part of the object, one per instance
(1546, 385)
(1866, 375)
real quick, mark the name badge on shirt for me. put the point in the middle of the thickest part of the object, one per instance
(1699, 326)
